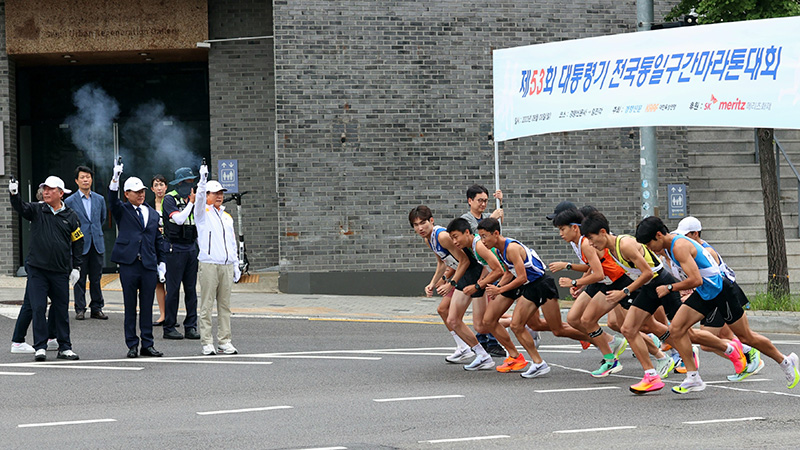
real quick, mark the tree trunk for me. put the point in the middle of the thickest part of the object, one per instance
(778, 272)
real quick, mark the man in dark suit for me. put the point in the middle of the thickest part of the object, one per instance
(138, 252)
(91, 209)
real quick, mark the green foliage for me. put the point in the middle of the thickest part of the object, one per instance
(714, 11)
(764, 301)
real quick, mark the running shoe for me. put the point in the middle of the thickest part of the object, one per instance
(680, 367)
(655, 339)
(52, 344)
(460, 356)
(480, 363)
(22, 347)
(585, 345)
(618, 345)
(513, 364)
(536, 370)
(537, 337)
(747, 372)
(664, 366)
(608, 367)
(649, 383)
(737, 357)
(227, 349)
(687, 386)
(793, 371)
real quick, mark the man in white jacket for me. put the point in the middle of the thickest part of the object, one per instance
(218, 263)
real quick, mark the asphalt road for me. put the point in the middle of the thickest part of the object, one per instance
(301, 384)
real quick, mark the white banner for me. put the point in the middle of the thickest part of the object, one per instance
(742, 74)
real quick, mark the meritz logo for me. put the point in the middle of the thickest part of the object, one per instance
(736, 105)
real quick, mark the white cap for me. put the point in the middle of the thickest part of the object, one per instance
(214, 186)
(55, 182)
(688, 224)
(134, 184)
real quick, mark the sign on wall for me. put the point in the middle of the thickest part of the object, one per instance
(676, 201)
(228, 170)
(742, 74)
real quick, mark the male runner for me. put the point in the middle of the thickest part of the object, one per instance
(712, 290)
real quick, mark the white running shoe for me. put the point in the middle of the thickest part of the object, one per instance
(460, 356)
(228, 349)
(480, 364)
(537, 337)
(40, 355)
(52, 344)
(22, 347)
(664, 366)
(536, 370)
(618, 345)
(793, 371)
(209, 350)
(688, 385)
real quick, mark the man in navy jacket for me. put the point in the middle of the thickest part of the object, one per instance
(91, 209)
(138, 253)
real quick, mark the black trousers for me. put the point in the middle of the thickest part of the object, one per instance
(181, 268)
(26, 316)
(138, 286)
(93, 268)
(42, 284)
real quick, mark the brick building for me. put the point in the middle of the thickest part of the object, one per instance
(342, 116)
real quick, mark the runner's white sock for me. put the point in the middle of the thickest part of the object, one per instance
(459, 342)
(729, 350)
(480, 351)
(785, 363)
(651, 372)
(746, 348)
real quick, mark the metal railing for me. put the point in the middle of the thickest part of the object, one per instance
(778, 152)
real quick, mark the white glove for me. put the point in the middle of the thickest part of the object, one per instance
(162, 272)
(203, 173)
(117, 172)
(237, 273)
(13, 187)
(73, 276)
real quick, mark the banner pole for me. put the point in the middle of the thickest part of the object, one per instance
(496, 174)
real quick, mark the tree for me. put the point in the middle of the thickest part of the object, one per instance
(715, 11)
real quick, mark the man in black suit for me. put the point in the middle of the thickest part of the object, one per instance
(138, 253)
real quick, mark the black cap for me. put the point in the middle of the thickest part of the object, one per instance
(563, 206)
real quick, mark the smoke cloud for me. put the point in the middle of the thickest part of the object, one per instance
(91, 126)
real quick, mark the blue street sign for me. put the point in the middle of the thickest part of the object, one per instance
(228, 170)
(676, 195)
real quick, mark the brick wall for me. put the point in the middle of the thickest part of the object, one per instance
(9, 220)
(409, 83)
(242, 108)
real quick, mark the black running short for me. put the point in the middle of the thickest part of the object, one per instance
(616, 285)
(538, 292)
(714, 319)
(472, 275)
(648, 300)
(726, 303)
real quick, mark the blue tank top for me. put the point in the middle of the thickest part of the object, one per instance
(724, 268)
(709, 270)
(440, 251)
(534, 267)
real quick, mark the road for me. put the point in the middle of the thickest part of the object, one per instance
(301, 384)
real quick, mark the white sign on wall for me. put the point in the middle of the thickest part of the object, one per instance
(742, 74)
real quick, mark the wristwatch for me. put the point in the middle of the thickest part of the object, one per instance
(478, 286)
(568, 266)
(444, 278)
(626, 291)
(452, 282)
(669, 287)
(574, 283)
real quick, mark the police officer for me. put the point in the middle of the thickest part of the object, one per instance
(181, 233)
(54, 261)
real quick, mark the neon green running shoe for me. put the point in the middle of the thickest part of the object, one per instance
(618, 345)
(688, 385)
(664, 366)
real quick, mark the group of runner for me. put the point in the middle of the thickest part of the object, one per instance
(653, 287)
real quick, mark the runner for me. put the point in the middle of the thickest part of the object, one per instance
(712, 290)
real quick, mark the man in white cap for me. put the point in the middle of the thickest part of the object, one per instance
(138, 252)
(218, 263)
(54, 261)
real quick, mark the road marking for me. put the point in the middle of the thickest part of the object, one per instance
(208, 361)
(17, 373)
(746, 380)
(326, 448)
(742, 419)
(598, 388)
(590, 430)
(402, 399)
(322, 319)
(72, 422)
(234, 411)
(786, 342)
(476, 438)
(65, 365)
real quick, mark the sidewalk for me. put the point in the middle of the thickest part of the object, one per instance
(258, 296)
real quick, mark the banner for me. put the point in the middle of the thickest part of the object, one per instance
(742, 74)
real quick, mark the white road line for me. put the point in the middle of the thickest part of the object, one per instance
(742, 419)
(590, 430)
(71, 422)
(234, 411)
(67, 366)
(207, 361)
(402, 399)
(326, 448)
(746, 380)
(17, 373)
(598, 388)
(786, 342)
(476, 438)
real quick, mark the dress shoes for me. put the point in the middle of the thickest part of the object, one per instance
(132, 352)
(158, 324)
(191, 333)
(80, 316)
(99, 315)
(151, 351)
(172, 334)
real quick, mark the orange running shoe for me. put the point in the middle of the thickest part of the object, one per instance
(585, 345)
(513, 364)
(649, 383)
